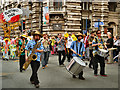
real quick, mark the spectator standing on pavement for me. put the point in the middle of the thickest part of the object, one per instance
(61, 49)
(119, 50)
(109, 42)
(116, 45)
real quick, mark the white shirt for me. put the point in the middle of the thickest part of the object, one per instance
(82, 40)
(117, 42)
(69, 42)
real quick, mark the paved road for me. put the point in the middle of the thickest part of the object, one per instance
(55, 76)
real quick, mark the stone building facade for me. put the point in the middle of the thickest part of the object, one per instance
(70, 16)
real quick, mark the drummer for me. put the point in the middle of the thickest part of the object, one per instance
(78, 51)
(98, 43)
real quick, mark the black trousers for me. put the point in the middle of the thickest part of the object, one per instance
(69, 54)
(80, 74)
(91, 56)
(21, 61)
(35, 66)
(98, 59)
(64, 56)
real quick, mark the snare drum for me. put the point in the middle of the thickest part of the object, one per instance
(103, 53)
(75, 66)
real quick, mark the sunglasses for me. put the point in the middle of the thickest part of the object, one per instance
(99, 33)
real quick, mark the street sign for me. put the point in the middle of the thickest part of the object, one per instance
(96, 24)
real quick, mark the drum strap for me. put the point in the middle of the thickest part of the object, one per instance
(96, 47)
(97, 41)
(77, 47)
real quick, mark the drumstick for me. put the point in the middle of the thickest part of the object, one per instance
(78, 54)
(75, 53)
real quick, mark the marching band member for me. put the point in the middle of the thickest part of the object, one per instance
(21, 50)
(61, 49)
(68, 44)
(98, 43)
(34, 64)
(78, 51)
(53, 41)
(46, 43)
(74, 37)
(91, 48)
(86, 43)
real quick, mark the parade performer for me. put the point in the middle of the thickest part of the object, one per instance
(53, 41)
(98, 43)
(78, 51)
(86, 43)
(21, 50)
(92, 35)
(61, 49)
(12, 49)
(5, 49)
(74, 37)
(68, 44)
(46, 51)
(34, 64)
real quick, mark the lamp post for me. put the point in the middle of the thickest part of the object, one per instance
(86, 24)
(98, 24)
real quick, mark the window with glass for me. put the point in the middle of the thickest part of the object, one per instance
(85, 6)
(112, 6)
(56, 5)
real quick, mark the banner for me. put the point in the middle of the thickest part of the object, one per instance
(14, 19)
(8, 14)
(45, 15)
(2, 18)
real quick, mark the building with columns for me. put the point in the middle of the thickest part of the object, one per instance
(69, 16)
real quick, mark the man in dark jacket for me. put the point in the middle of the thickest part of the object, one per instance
(109, 41)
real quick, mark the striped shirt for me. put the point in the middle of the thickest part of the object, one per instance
(95, 50)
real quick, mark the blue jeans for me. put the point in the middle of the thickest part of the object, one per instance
(45, 58)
